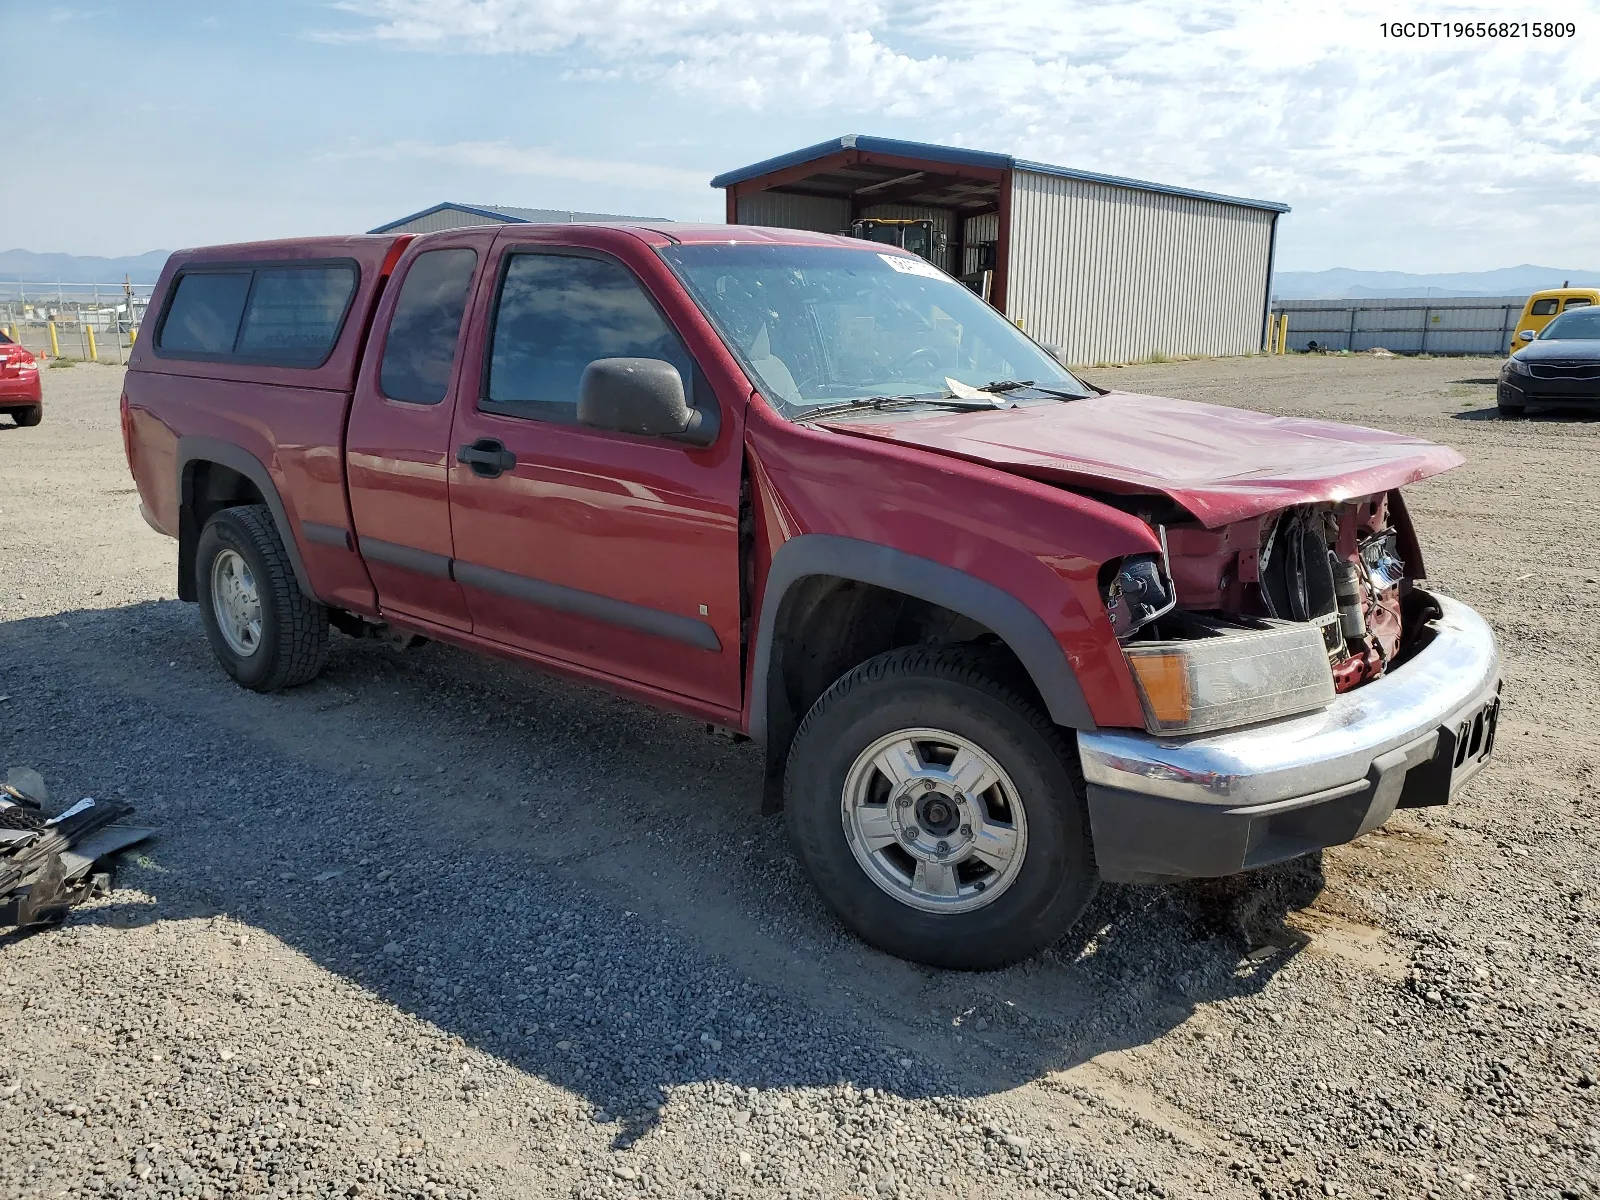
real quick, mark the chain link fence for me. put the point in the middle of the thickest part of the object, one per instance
(78, 321)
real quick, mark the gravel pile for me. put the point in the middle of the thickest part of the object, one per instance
(431, 927)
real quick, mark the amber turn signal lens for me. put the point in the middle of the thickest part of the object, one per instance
(1164, 680)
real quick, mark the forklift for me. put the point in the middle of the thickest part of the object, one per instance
(916, 235)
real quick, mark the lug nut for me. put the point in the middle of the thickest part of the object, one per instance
(908, 835)
(905, 801)
(928, 785)
(944, 847)
(966, 831)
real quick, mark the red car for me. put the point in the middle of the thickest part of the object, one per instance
(1001, 634)
(21, 394)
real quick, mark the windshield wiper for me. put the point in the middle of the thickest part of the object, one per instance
(1002, 386)
(883, 402)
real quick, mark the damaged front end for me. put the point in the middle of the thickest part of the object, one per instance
(1266, 617)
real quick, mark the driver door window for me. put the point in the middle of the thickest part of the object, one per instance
(556, 314)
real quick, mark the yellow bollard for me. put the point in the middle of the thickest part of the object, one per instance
(55, 344)
(94, 355)
(1283, 333)
(133, 336)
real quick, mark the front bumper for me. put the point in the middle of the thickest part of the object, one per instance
(1166, 808)
(1525, 391)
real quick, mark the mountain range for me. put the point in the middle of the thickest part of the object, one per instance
(27, 267)
(1343, 283)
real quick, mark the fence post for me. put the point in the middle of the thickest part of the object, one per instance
(1426, 314)
(1350, 338)
(55, 343)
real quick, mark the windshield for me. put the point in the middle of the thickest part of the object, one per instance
(1579, 324)
(825, 325)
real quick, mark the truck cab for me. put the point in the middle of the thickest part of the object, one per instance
(999, 633)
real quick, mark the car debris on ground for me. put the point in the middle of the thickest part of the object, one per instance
(47, 863)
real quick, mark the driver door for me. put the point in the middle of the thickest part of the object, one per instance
(615, 553)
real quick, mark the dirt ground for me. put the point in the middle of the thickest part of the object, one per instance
(433, 927)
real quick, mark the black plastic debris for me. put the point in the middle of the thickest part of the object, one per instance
(47, 864)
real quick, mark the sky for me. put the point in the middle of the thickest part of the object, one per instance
(147, 124)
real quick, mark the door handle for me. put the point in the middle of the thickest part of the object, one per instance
(487, 457)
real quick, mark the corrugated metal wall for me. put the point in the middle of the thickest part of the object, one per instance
(1113, 274)
(447, 218)
(979, 229)
(1406, 325)
(817, 213)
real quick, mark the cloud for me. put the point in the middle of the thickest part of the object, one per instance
(1307, 103)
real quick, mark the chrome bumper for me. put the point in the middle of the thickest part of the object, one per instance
(1221, 802)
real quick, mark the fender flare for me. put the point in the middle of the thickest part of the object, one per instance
(193, 448)
(1013, 622)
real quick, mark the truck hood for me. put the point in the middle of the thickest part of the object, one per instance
(1221, 464)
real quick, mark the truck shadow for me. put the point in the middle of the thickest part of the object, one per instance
(575, 884)
(1554, 416)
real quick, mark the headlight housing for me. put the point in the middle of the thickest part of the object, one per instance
(1232, 677)
(1515, 366)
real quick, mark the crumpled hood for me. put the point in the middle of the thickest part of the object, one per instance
(1221, 464)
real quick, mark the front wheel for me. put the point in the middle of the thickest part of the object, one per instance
(939, 812)
(265, 631)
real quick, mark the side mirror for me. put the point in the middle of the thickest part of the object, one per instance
(644, 396)
(1054, 351)
(1525, 336)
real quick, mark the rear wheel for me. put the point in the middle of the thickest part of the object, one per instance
(28, 417)
(939, 812)
(264, 630)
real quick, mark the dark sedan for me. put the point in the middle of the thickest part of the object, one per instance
(1560, 368)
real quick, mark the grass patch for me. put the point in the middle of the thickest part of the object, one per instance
(63, 362)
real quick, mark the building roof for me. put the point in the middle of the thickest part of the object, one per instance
(514, 216)
(959, 157)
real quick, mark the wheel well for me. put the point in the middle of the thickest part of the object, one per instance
(208, 488)
(826, 625)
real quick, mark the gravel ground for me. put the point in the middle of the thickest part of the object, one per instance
(438, 928)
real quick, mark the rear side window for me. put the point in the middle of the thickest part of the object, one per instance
(556, 315)
(1579, 302)
(286, 316)
(1544, 308)
(293, 316)
(420, 351)
(203, 317)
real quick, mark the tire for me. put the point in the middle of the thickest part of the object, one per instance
(288, 644)
(957, 693)
(28, 417)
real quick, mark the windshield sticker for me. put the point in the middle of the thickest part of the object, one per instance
(912, 266)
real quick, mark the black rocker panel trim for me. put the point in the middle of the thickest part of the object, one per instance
(607, 609)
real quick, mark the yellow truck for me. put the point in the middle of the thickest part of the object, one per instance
(1543, 307)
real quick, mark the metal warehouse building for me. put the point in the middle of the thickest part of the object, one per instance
(1108, 269)
(451, 215)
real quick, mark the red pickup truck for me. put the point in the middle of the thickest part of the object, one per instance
(1001, 633)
